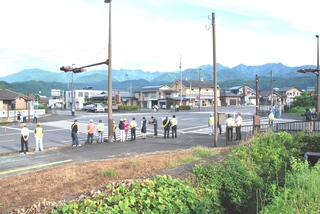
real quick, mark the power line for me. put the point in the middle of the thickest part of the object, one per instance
(21, 60)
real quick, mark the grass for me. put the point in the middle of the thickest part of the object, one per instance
(110, 173)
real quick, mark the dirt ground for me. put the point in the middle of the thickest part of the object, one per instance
(32, 192)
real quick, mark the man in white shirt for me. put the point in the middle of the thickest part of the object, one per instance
(174, 123)
(24, 139)
(229, 127)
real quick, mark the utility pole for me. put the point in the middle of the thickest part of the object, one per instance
(180, 82)
(271, 89)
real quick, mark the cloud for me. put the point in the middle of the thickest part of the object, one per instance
(151, 35)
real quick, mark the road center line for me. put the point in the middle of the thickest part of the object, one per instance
(35, 167)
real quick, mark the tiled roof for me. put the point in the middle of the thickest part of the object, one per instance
(6, 94)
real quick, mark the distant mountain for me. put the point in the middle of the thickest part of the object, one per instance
(40, 80)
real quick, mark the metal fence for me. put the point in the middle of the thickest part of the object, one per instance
(293, 128)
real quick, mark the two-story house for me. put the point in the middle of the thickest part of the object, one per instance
(195, 92)
(148, 96)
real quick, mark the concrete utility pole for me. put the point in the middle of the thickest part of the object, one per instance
(215, 81)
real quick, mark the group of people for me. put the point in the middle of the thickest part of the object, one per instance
(25, 133)
(230, 123)
(23, 117)
(124, 126)
(90, 129)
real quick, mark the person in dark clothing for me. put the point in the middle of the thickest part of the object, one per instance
(144, 128)
(74, 133)
(166, 125)
(121, 128)
(308, 116)
(154, 122)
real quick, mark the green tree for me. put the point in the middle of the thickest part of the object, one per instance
(305, 100)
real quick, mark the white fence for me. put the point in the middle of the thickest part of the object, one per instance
(13, 114)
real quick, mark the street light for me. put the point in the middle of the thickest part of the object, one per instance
(110, 119)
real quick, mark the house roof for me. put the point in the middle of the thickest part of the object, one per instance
(6, 94)
(235, 88)
(285, 89)
(123, 94)
(197, 83)
(229, 94)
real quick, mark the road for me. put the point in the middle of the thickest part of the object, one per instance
(192, 131)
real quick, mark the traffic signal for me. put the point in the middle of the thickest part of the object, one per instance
(78, 70)
(66, 68)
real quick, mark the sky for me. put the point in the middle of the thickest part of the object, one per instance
(156, 35)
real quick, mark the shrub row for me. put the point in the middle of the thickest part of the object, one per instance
(254, 178)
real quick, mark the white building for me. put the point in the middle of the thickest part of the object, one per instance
(79, 96)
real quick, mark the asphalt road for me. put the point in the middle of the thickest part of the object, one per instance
(192, 131)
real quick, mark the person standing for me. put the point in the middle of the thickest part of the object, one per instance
(126, 127)
(174, 128)
(24, 117)
(154, 122)
(308, 116)
(238, 126)
(19, 117)
(38, 134)
(121, 128)
(270, 119)
(133, 125)
(211, 124)
(24, 139)
(90, 129)
(219, 125)
(35, 117)
(100, 129)
(144, 128)
(114, 128)
(229, 127)
(74, 134)
(166, 126)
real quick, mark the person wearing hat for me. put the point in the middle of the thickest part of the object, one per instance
(133, 125)
(114, 128)
(270, 118)
(38, 134)
(229, 127)
(90, 129)
(211, 124)
(121, 128)
(126, 128)
(74, 134)
(100, 130)
(174, 123)
(238, 123)
(24, 139)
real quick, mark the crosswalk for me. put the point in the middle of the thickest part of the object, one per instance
(197, 129)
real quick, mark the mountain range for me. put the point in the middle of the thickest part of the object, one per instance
(131, 80)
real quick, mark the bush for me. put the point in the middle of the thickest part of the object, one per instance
(184, 107)
(160, 195)
(300, 193)
(128, 108)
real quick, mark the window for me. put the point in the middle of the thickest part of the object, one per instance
(80, 94)
(86, 94)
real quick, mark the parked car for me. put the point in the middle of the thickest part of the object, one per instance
(96, 107)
